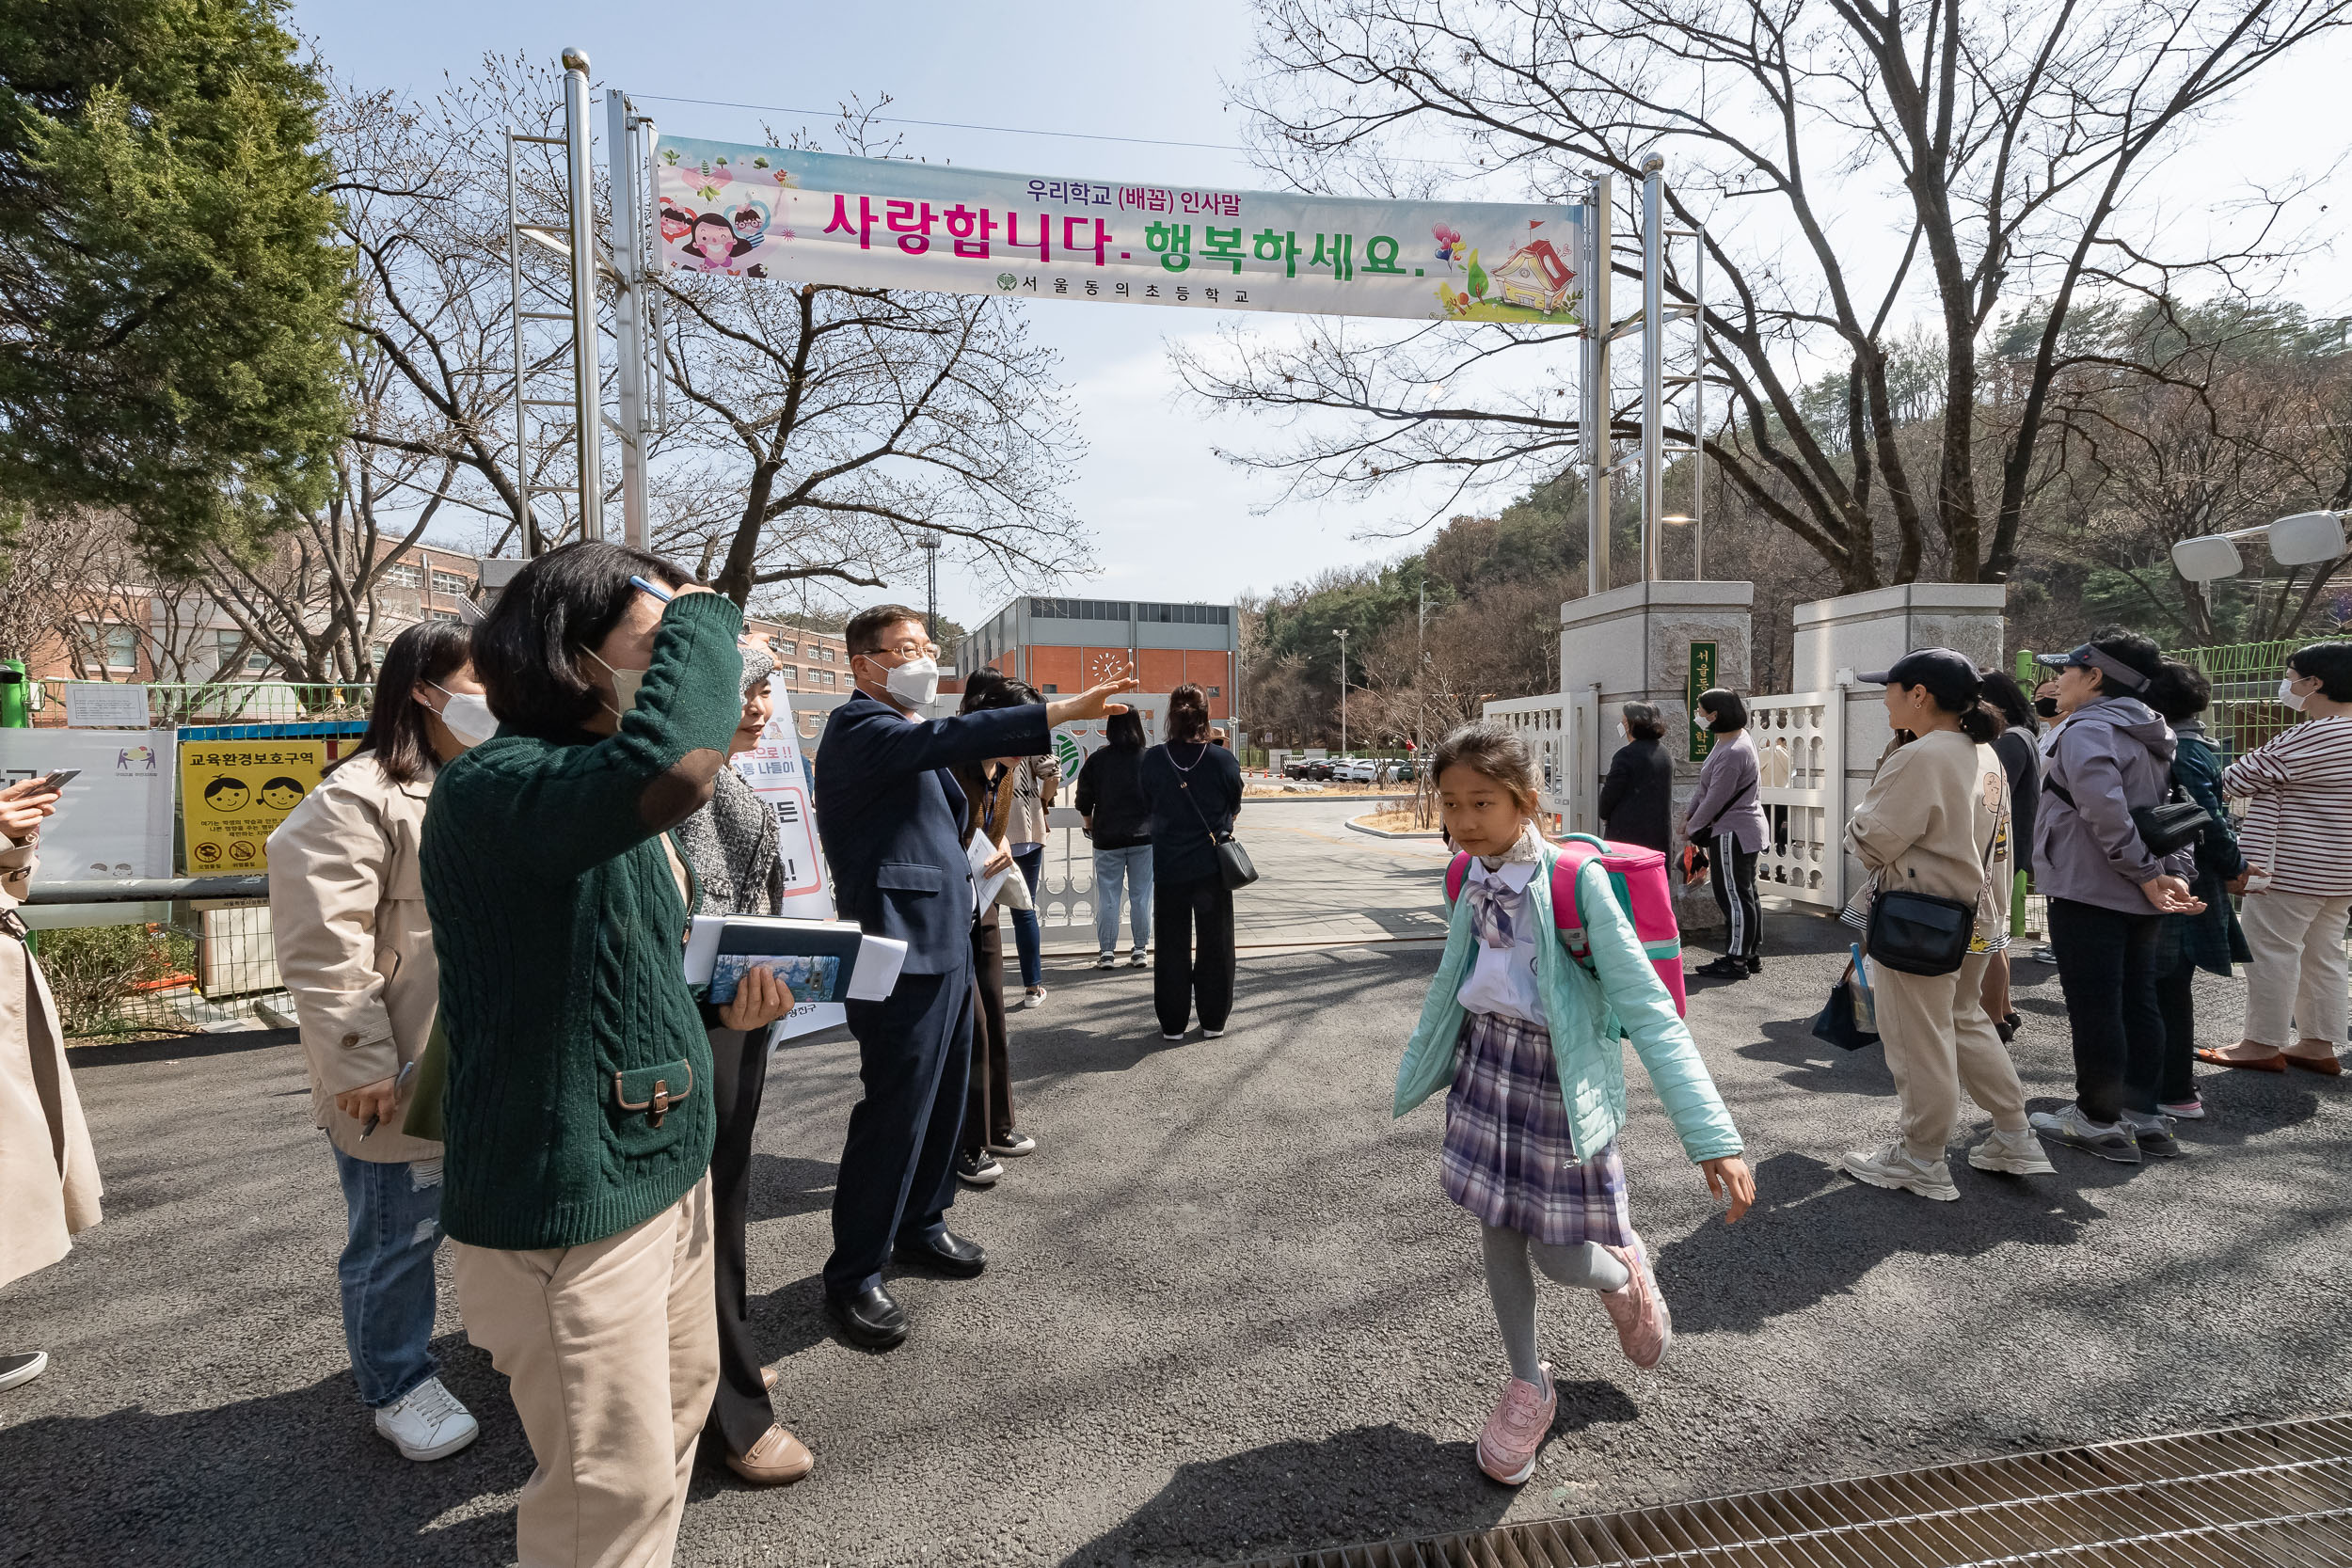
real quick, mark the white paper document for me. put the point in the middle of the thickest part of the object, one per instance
(981, 851)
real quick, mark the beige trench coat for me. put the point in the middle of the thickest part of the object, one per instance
(48, 1175)
(347, 907)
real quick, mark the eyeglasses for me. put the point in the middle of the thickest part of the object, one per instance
(913, 650)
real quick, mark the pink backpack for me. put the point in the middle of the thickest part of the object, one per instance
(1636, 874)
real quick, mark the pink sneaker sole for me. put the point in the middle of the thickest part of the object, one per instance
(1645, 1326)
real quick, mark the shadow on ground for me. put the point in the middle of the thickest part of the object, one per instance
(296, 1478)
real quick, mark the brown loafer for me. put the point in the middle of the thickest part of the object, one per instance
(776, 1460)
(768, 1378)
(2327, 1067)
(2275, 1062)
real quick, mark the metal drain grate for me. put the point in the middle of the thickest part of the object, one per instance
(2258, 1497)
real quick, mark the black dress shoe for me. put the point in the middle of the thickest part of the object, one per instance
(1724, 968)
(949, 1254)
(870, 1318)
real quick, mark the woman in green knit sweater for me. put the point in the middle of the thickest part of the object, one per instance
(578, 1113)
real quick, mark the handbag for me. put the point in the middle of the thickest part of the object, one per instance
(1234, 864)
(1843, 1020)
(1923, 933)
(2173, 823)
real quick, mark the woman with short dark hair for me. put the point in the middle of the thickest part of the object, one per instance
(1193, 786)
(355, 952)
(578, 1108)
(1726, 817)
(1637, 799)
(1117, 821)
(2210, 940)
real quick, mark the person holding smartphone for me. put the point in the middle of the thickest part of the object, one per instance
(47, 1168)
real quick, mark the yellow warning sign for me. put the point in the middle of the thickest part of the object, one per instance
(234, 793)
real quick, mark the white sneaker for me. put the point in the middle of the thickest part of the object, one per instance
(23, 1366)
(1106, 961)
(1895, 1166)
(1034, 997)
(1214, 1034)
(2012, 1153)
(427, 1422)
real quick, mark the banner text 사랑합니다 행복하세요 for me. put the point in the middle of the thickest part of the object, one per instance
(822, 218)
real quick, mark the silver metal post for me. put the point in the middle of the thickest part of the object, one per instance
(1698, 415)
(587, 367)
(1653, 368)
(1594, 415)
(629, 331)
(1342, 635)
(515, 320)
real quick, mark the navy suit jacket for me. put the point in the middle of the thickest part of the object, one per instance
(890, 816)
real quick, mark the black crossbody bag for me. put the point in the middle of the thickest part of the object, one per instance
(2173, 823)
(1922, 933)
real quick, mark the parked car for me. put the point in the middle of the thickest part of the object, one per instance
(1404, 773)
(1306, 768)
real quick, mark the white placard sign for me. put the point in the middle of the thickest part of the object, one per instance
(777, 770)
(115, 819)
(105, 705)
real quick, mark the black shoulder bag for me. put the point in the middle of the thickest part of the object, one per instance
(2173, 823)
(1233, 862)
(1920, 933)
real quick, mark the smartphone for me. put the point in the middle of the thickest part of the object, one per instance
(57, 778)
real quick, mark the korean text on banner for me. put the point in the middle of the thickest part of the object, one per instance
(114, 820)
(767, 212)
(234, 793)
(777, 770)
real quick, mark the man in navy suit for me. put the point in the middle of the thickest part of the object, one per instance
(891, 818)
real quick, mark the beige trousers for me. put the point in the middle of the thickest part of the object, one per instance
(1939, 1040)
(2295, 986)
(611, 1351)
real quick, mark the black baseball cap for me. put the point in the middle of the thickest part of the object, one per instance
(1950, 678)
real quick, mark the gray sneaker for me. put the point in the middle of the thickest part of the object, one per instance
(1895, 1166)
(2016, 1153)
(2110, 1141)
(2153, 1134)
(1104, 960)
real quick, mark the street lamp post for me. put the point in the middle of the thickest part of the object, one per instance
(929, 543)
(1342, 635)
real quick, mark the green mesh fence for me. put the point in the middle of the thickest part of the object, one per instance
(2245, 709)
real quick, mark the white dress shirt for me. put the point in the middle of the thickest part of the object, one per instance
(1503, 979)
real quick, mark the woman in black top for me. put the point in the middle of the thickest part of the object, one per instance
(1638, 797)
(1193, 790)
(1119, 821)
(2019, 749)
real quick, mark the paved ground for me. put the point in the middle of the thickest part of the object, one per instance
(1229, 1310)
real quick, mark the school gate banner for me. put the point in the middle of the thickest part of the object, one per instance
(765, 212)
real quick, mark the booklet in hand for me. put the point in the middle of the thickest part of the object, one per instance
(817, 960)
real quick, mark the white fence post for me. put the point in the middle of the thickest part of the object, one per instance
(1800, 740)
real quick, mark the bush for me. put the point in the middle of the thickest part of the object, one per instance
(93, 971)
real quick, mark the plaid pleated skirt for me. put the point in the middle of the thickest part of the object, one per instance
(1508, 1158)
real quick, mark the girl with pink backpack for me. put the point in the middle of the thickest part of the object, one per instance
(1525, 1028)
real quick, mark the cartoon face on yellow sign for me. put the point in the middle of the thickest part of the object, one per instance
(234, 793)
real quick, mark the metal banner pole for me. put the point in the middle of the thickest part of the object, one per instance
(1653, 368)
(515, 322)
(1698, 415)
(587, 378)
(628, 332)
(1594, 418)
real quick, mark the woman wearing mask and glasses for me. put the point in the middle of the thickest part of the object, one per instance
(578, 1112)
(356, 954)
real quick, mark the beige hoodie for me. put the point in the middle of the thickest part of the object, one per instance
(1927, 819)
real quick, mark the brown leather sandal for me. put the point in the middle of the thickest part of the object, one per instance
(2275, 1062)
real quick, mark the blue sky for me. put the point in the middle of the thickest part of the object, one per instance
(1170, 520)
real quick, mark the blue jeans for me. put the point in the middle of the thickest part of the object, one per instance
(1112, 867)
(1030, 860)
(387, 1274)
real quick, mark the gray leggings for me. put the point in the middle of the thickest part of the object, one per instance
(1511, 1286)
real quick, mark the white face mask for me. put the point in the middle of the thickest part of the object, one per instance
(2287, 695)
(625, 684)
(467, 714)
(913, 683)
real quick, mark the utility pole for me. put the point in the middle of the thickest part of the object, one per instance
(1342, 635)
(929, 543)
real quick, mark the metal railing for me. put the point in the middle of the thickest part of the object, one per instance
(2246, 711)
(184, 953)
(172, 704)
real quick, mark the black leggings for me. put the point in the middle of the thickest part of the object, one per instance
(1732, 871)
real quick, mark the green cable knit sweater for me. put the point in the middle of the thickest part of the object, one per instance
(559, 927)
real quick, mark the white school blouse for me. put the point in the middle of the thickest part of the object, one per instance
(1503, 979)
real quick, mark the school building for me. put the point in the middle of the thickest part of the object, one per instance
(1062, 646)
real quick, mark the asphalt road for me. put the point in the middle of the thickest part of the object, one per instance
(1229, 1311)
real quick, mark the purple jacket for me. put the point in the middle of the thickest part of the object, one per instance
(2112, 757)
(1728, 800)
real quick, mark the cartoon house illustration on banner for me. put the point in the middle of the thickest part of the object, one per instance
(1535, 276)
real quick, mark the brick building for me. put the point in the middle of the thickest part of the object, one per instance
(817, 662)
(1062, 646)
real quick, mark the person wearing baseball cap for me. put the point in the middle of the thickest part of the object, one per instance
(1936, 820)
(2108, 756)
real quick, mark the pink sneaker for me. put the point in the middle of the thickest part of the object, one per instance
(1508, 1441)
(1644, 1327)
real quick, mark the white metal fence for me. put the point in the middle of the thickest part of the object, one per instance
(1800, 754)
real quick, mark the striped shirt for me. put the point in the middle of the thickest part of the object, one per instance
(2299, 824)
